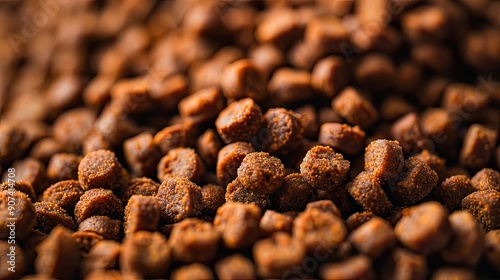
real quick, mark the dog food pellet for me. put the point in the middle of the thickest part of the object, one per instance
(446, 273)
(417, 180)
(355, 108)
(242, 79)
(13, 142)
(375, 71)
(23, 213)
(434, 162)
(367, 190)
(141, 213)
(171, 137)
(384, 158)
(357, 219)
(63, 167)
(277, 254)
(355, 268)
(452, 190)
(289, 85)
(406, 130)
(261, 173)
(235, 267)
(182, 163)
(190, 237)
(202, 105)
(93, 142)
(98, 202)
(323, 168)
(86, 240)
(478, 146)
(49, 215)
(403, 264)
(103, 256)
(142, 154)
(239, 121)
(486, 179)
(208, 146)
(32, 171)
(236, 192)
(374, 237)
(309, 119)
(485, 207)
(329, 76)
(294, 193)
(229, 159)
(492, 248)
(108, 228)
(58, 255)
(138, 186)
(282, 132)
(17, 263)
(72, 127)
(100, 169)
(279, 27)
(179, 198)
(325, 206)
(238, 223)
(191, 272)
(21, 186)
(145, 253)
(273, 221)
(213, 198)
(341, 137)
(65, 194)
(424, 228)
(467, 240)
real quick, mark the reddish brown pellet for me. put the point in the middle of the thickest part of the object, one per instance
(294, 194)
(49, 215)
(142, 154)
(357, 219)
(325, 206)
(21, 186)
(44, 149)
(429, 22)
(236, 192)
(329, 76)
(138, 186)
(192, 271)
(323, 168)
(63, 167)
(238, 223)
(367, 190)
(478, 146)
(444, 273)
(98, 202)
(452, 190)
(486, 179)
(108, 228)
(261, 173)
(182, 163)
(355, 108)
(72, 127)
(341, 137)
(309, 119)
(403, 264)
(374, 71)
(406, 130)
(373, 237)
(235, 267)
(103, 256)
(179, 198)
(95, 141)
(435, 56)
(289, 85)
(242, 79)
(141, 213)
(229, 159)
(267, 58)
(462, 100)
(100, 169)
(13, 142)
(279, 27)
(208, 146)
(358, 267)
(190, 237)
(239, 121)
(202, 105)
(32, 171)
(435, 162)
(437, 124)
(213, 198)
(273, 221)
(484, 206)
(282, 132)
(24, 213)
(394, 107)
(172, 137)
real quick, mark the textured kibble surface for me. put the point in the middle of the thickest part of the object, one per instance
(261, 139)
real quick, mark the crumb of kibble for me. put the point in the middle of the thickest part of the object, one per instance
(367, 190)
(98, 202)
(325, 206)
(100, 169)
(179, 198)
(261, 172)
(142, 154)
(384, 158)
(323, 168)
(239, 121)
(485, 207)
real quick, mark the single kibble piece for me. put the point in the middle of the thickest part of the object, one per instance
(282, 131)
(329, 76)
(100, 169)
(277, 255)
(452, 190)
(58, 255)
(171, 137)
(192, 271)
(49, 215)
(235, 267)
(325, 206)
(355, 108)
(424, 228)
(294, 194)
(323, 168)
(367, 190)
(492, 248)
(486, 179)
(63, 167)
(373, 237)
(341, 137)
(467, 240)
(13, 142)
(319, 229)
(478, 146)
(239, 121)
(273, 221)
(238, 223)
(213, 198)
(430, 22)
(242, 79)
(261, 173)
(236, 192)
(103, 256)
(142, 154)
(445, 273)
(434, 162)
(384, 158)
(290, 85)
(182, 163)
(141, 213)
(208, 146)
(86, 240)
(18, 262)
(179, 198)
(32, 171)
(406, 130)
(138, 186)
(309, 119)
(417, 180)
(437, 124)
(193, 240)
(358, 267)
(72, 126)
(21, 186)
(202, 105)
(23, 212)
(93, 142)
(65, 194)
(403, 264)
(108, 228)
(98, 202)
(357, 219)
(146, 254)
(229, 159)
(279, 28)
(485, 207)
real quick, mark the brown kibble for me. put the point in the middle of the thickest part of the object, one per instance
(367, 190)
(373, 237)
(309, 119)
(261, 173)
(236, 192)
(63, 167)
(325, 206)
(353, 107)
(417, 180)
(327, 31)
(141, 213)
(96, 92)
(44, 149)
(492, 248)
(21, 264)
(169, 92)
(213, 198)
(24, 212)
(467, 241)
(238, 223)
(229, 159)
(194, 240)
(182, 163)
(437, 124)
(486, 179)
(394, 107)
(86, 240)
(406, 130)
(235, 267)
(290, 85)
(267, 58)
(462, 99)
(452, 190)
(358, 267)
(430, 22)
(49, 215)
(171, 137)
(13, 140)
(108, 228)
(71, 127)
(478, 146)
(323, 168)
(21, 186)
(403, 264)
(208, 146)
(98, 202)
(31, 171)
(485, 207)
(304, 54)
(192, 271)
(294, 194)
(145, 253)
(357, 219)
(273, 221)
(329, 76)
(100, 169)
(424, 228)
(445, 273)
(95, 141)
(138, 186)
(179, 198)
(408, 80)
(375, 72)
(434, 162)
(279, 27)
(342, 137)
(242, 79)
(202, 105)
(142, 154)
(103, 256)
(277, 255)
(282, 132)
(239, 121)
(58, 255)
